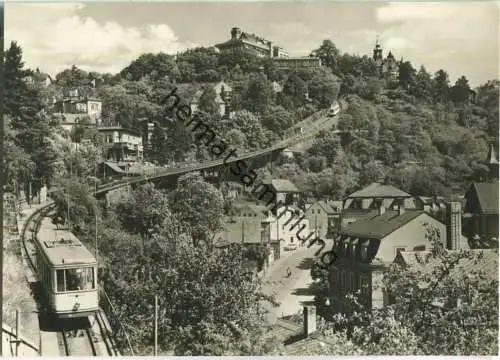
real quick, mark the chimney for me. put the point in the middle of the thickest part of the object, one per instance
(381, 209)
(309, 320)
(453, 225)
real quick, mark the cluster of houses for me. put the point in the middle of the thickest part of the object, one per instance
(371, 228)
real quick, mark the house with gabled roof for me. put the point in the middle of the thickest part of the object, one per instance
(367, 246)
(323, 219)
(481, 213)
(369, 199)
(286, 192)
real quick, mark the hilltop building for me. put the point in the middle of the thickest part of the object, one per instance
(74, 108)
(261, 47)
(388, 67)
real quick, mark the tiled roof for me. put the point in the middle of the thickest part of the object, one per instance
(375, 226)
(282, 185)
(487, 194)
(295, 343)
(326, 208)
(486, 260)
(379, 191)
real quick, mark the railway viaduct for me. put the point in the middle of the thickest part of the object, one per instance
(296, 139)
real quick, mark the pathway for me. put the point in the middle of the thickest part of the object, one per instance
(292, 293)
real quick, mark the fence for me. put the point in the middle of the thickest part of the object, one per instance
(18, 344)
(119, 333)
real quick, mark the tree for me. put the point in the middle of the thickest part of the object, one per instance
(296, 89)
(260, 94)
(158, 147)
(209, 303)
(324, 90)
(406, 75)
(156, 66)
(250, 125)
(143, 211)
(73, 78)
(207, 101)
(13, 77)
(329, 55)
(461, 91)
(75, 198)
(423, 85)
(277, 119)
(442, 85)
(199, 206)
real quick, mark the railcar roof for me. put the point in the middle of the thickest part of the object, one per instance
(63, 248)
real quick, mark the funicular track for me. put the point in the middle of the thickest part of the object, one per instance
(75, 337)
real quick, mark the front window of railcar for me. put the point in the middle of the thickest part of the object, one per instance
(80, 279)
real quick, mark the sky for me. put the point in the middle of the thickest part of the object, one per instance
(460, 37)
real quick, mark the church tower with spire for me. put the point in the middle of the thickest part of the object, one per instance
(377, 53)
(492, 163)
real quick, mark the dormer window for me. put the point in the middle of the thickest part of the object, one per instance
(354, 245)
(346, 246)
(364, 250)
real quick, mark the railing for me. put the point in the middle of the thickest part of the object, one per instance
(17, 339)
(119, 331)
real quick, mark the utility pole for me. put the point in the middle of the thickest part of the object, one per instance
(243, 232)
(156, 326)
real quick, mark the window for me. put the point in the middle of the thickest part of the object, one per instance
(291, 239)
(346, 247)
(312, 211)
(75, 279)
(364, 285)
(60, 280)
(364, 250)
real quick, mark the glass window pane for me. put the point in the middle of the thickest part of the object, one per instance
(60, 280)
(79, 279)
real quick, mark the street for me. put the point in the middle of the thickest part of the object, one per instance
(292, 293)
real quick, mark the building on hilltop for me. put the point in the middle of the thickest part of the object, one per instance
(261, 47)
(388, 67)
(74, 108)
(366, 247)
(241, 40)
(297, 62)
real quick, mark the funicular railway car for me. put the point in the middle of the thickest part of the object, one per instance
(67, 272)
